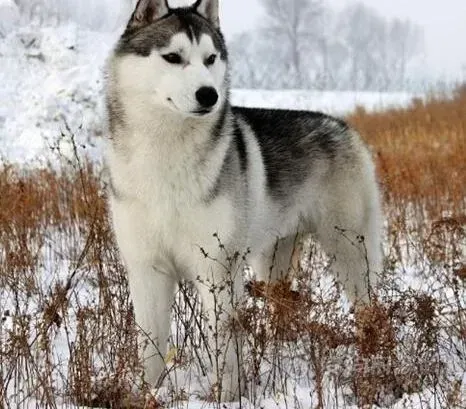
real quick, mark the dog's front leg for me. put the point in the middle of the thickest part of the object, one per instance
(220, 295)
(152, 292)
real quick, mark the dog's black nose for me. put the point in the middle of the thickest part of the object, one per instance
(207, 97)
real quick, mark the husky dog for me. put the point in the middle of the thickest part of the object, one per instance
(185, 164)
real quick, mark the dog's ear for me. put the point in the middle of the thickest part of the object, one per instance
(209, 9)
(146, 12)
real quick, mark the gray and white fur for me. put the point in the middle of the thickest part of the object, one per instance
(185, 164)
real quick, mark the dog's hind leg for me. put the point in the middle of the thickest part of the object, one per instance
(279, 260)
(350, 233)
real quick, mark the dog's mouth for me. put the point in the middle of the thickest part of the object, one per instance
(197, 112)
(201, 112)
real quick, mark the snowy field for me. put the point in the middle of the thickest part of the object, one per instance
(52, 83)
(52, 78)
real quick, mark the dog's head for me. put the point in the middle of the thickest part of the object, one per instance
(174, 58)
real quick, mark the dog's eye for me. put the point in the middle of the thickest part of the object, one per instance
(211, 60)
(173, 58)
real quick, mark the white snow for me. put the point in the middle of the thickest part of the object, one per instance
(10, 16)
(333, 102)
(50, 77)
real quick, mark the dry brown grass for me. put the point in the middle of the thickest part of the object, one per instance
(420, 151)
(55, 241)
(62, 287)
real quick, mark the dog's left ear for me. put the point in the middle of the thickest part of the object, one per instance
(209, 9)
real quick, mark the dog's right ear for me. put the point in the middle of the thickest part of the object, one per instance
(146, 12)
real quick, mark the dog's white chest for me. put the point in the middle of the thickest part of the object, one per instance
(162, 210)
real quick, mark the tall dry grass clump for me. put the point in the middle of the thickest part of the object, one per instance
(421, 152)
(63, 293)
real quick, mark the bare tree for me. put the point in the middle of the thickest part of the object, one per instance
(304, 44)
(363, 32)
(331, 52)
(251, 67)
(379, 51)
(405, 43)
(293, 26)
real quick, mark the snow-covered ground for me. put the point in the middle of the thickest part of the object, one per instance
(52, 78)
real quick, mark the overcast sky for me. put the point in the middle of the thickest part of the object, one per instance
(444, 23)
